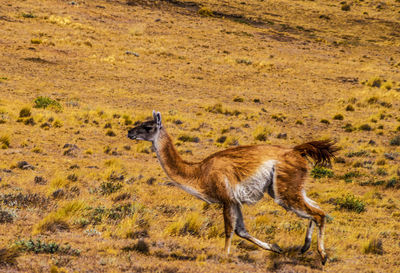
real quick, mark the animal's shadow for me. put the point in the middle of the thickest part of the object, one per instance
(292, 256)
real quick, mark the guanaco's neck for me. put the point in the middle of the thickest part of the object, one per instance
(177, 169)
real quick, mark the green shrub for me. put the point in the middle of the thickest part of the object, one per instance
(349, 108)
(320, 172)
(44, 102)
(110, 133)
(43, 247)
(350, 202)
(109, 187)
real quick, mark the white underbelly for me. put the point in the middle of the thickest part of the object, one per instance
(253, 188)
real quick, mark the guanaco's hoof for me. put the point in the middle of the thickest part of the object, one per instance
(324, 260)
(305, 248)
(276, 248)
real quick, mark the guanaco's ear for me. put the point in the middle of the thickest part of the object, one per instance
(157, 118)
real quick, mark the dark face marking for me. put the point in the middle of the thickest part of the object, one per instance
(145, 131)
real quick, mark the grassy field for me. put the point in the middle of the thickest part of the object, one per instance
(76, 195)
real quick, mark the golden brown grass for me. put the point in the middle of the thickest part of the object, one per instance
(248, 71)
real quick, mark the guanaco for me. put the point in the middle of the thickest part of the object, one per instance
(241, 175)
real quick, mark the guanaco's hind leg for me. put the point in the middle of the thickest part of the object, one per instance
(229, 221)
(318, 216)
(241, 231)
(307, 240)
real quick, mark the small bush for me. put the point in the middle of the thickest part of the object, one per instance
(350, 108)
(187, 138)
(348, 128)
(365, 127)
(374, 246)
(107, 188)
(345, 7)
(221, 139)
(350, 202)
(5, 141)
(325, 121)
(395, 141)
(320, 172)
(25, 112)
(338, 117)
(44, 102)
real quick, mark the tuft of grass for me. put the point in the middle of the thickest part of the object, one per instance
(186, 226)
(57, 124)
(219, 109)
(395, 141)
(9, 255)
(206, 12)
(374, 82)
(5, 141)
(260, 133)
(373, 246)
(46, 102)
(58, 220)
(36, 41)
(25, 112)
(28, 15)
(320, 172)
(350, 202)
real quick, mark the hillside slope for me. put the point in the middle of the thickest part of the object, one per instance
(75, 75)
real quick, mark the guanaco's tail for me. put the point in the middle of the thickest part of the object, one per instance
(321, 151)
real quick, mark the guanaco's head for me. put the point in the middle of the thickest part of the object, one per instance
(147, 130)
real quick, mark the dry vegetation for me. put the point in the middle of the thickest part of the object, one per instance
(77, 196)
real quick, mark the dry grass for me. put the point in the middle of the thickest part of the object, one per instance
(221, 74)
